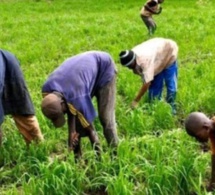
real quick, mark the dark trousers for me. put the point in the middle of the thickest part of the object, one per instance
(150, 24)
(106, 110)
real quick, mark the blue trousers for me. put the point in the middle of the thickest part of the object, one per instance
(169, 76)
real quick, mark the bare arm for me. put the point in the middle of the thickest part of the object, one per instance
(142, 91)
(72, 134)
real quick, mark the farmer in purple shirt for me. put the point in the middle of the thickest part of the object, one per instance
(70, 89)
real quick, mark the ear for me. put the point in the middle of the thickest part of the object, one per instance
(206, 126)
(64, 106)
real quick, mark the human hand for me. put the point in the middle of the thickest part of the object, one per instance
(74, 140)
(134, 104)
(160, 10)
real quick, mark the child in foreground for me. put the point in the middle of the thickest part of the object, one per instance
(202, 128)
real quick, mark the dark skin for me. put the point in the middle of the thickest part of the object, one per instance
(204, 131)
(74, 138)
(142, 90)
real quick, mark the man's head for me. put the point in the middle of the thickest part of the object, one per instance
(128, 58)
(198, 125)
(52, 108)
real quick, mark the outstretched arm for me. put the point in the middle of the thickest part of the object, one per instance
(141, 92)
(73, 136)
(159, 11)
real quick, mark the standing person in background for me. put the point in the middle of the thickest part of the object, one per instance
(15, 99)
(150, 8)
(155, 61)
(69, 90)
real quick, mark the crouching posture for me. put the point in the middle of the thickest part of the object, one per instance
(199, 126)
(70, 89)
(155, 61)
(15, 99)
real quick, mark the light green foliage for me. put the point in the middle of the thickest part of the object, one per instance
(155, 155)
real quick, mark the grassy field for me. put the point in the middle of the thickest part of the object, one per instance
(155, 156)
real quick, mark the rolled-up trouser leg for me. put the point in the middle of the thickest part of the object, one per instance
(106, 109)
(28, 127)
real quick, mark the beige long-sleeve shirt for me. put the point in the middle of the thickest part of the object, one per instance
(153, 56)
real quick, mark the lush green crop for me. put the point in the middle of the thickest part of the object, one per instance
(155, 156)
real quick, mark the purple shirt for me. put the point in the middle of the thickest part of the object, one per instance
(79, 78)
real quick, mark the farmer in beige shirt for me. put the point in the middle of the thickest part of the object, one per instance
(155, 61)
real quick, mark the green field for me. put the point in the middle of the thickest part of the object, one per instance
(155, 155)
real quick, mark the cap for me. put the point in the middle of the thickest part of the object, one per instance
(52, 108)
(127, 57)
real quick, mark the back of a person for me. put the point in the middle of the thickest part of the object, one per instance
(15, 96)
(159, 52)
(80, 74)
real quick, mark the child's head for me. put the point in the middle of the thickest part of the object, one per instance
(198, 125)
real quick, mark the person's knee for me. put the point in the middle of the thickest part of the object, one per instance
(172, 92)
(144, 18)
(155, 94)
(105, 119)
(111, 136)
